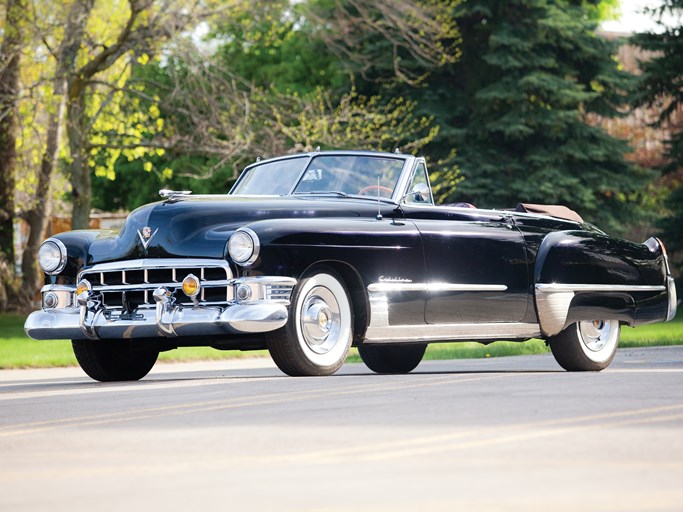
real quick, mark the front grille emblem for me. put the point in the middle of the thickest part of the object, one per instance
(146, 235)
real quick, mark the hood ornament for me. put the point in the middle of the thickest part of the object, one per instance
(146, 235)
(174, 195)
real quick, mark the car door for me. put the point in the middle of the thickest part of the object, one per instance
(476, 265)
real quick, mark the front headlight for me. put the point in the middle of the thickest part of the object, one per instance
(52, 256)
(243, 246)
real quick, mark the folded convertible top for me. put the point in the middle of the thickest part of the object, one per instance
(553, 210)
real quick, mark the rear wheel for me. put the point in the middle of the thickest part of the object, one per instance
(586, 345)
(391, 358)
(113, 360)
(317, 336)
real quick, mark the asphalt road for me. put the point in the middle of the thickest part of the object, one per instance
(513, 433)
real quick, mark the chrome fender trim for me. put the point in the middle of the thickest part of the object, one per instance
(553, 307)
(553, 300)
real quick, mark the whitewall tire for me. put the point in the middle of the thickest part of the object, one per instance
(586, 345)
(318, 334)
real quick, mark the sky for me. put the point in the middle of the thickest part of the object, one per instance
(633, 20)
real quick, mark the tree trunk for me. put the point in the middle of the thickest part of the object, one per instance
(80, 171)
(39, 215)
(9, 83)
(10, 55)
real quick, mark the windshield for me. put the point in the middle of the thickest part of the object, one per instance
(270, 178)
(335, 174)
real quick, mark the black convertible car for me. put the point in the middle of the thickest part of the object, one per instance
(310, 254)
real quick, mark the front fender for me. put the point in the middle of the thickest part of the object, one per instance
(372, 247)
(77, 245)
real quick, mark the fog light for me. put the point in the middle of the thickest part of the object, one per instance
(191, 286)
(243, 292)
(50, 300)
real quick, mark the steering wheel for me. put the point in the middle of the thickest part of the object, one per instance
(381, 188)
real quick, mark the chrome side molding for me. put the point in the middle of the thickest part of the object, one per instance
(451, 332)
(394, 286)
(380, 331)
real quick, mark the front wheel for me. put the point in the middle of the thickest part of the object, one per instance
(113, 360)
(391, 358)
(318, 333)
(586, 346)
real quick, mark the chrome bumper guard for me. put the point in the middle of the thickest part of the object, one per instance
(92, 320)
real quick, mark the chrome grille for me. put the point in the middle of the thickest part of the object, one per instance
(133, 282)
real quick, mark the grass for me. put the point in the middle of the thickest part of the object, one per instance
(19, 351)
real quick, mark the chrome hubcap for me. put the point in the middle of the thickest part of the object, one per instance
(595, 335)
(320, 320)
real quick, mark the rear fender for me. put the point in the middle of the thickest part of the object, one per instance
(581, 275)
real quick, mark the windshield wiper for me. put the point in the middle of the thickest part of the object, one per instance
(322, 193)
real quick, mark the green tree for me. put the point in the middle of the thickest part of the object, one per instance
(277, 47)
(661, 88)
(515, 106)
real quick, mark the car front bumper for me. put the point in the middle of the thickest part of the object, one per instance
(90, 319)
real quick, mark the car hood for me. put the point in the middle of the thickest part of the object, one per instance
(201, 226)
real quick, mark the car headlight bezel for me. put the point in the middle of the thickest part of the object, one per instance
(52, 256)
(244, 247)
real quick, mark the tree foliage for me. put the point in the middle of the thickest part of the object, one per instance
(515, 108)
(661, 88)
(271, 86)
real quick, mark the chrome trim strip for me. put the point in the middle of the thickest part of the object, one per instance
(561, 287)
(451, 332)
(156, 263)
(386, 286)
